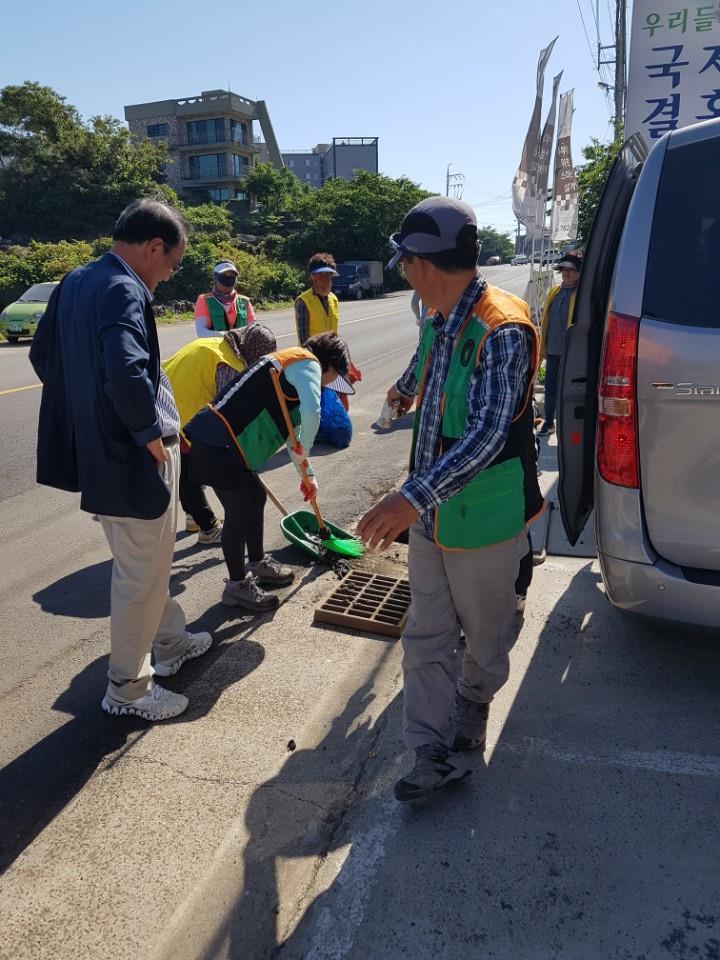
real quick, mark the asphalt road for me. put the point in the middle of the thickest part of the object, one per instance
(261, 825)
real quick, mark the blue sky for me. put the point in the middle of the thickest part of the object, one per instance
(438, 83)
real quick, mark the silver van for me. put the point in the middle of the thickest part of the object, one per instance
(639, 404)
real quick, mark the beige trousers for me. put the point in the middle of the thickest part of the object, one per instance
(143, 615)
(474, 589)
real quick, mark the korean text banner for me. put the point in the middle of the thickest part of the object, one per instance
(524, 185)
(564, 223)
(674, 77)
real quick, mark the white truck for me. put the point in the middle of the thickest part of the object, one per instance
(358, 278)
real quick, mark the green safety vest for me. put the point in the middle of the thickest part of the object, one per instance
(218, 317)
(250, 412)
(497, 503)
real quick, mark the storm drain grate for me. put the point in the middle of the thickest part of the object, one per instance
(369, 602)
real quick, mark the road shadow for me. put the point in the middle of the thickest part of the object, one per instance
(85, 593)
(38, 784)
(595, 803)
(294, 816)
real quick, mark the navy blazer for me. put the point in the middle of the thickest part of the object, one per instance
(96, 352)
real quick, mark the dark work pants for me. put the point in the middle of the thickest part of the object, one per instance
(243, 498)
(552, 371)
(192, 497)
(525, 573)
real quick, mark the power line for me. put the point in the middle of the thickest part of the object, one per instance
(587, 36)
(611, 21)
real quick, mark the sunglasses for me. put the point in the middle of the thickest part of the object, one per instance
(226, 279)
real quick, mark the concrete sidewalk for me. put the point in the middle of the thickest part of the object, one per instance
(182, 823)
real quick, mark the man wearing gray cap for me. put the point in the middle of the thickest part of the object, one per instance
(471, 490)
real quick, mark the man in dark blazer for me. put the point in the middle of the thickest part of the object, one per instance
(108, 428)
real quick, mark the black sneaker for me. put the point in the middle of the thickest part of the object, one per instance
(248, 595)
(470, 724)
(435, 768)
(547, 427)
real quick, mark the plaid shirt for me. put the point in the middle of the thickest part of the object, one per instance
(495, 394)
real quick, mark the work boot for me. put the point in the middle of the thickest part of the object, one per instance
(248, 594)
(269, 573)
(435, 767)
(470, 724)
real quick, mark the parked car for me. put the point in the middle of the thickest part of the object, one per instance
(20, 319)
(359, 278)
(639, 411)
(519, 260)
(493, 261)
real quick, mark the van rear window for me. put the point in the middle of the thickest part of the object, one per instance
(683, 276)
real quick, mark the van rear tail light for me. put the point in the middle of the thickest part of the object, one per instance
(617, 440)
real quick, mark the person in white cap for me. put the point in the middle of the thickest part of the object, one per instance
(317, 309)
(223, 308)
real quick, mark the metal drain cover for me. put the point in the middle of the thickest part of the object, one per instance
(368, 602)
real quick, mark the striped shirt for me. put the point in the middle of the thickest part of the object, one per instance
(496, 393)
(165, 407)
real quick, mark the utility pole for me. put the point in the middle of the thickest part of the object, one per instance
(454, 182)
(620, 65)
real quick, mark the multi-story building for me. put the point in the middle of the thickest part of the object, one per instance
(212, 143)
(341, 158)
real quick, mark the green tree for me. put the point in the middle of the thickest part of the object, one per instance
(352, 218)
(494, 244)
(272, 188)
(592, 177)
(63, 178)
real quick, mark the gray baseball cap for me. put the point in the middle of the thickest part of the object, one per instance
(432, 226)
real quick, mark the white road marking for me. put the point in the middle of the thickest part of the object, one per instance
(349, 323)
(334, 930)
(656, 761)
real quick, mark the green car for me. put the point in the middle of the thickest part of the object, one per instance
(20, 319)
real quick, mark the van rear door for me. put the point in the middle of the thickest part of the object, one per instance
(577, 388)
(678, 367)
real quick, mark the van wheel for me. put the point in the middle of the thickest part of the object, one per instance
(358, 295)
(13, 339)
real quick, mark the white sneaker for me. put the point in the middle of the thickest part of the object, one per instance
(199, 644)
(159, 704)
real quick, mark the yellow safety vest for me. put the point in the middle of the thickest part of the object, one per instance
(319, 321)
(191, 372)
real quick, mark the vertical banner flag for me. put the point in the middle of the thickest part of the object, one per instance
(674, 77)
(564, 222)
(543, 164)
(524, 191)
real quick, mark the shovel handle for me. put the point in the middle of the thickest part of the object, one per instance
(272, 496)
(293, 438)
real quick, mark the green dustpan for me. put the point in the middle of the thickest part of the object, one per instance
(302, 529)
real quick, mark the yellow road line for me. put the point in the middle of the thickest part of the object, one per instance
(33, 386)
